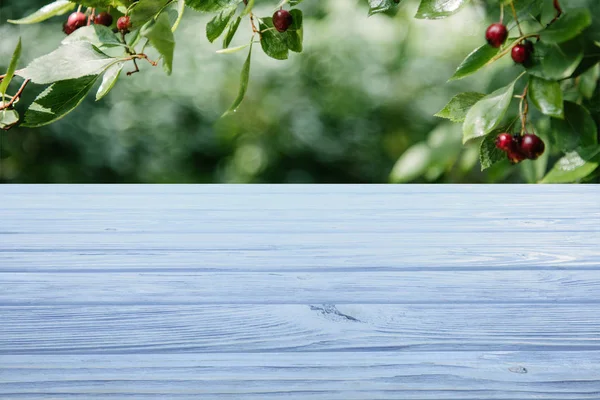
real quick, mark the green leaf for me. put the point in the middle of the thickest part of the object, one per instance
(244, 78)
(98, 35)
(294, 35)
(232, 50)
(109, 80)
(546, 96)
(59, 7)
(578, 129)
(297, 20)
(145, 10)
(378, 6)
(489, 154)
(12, 66)
(233, 27)
(487, 113)
(248, 8)
(574, 166)
(217, 25)
(212, 5)
(478, 59)
(273, 43)
(571, 24)
(70, 61)
(411, 164)
(556, 61)
(436, 9)
(105, 3)
(180, 11)
(8, 119)
(588, 81)
(456, 110)
(58, 100)
(161, 38)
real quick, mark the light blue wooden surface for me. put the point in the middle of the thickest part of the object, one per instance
(300, 292)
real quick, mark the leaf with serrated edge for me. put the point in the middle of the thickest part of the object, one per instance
(58, 100)
(436, 9)
(98, 35)
(457, 108)
(217, 25)
(71, 61)
(212, 5)
(162, 39)
(487, 113)
(489, 154)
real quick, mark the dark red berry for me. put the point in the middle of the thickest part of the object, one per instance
(520, 53)
(496, 34)
(103, 18)
(123, 24)
(504, 141)
(532, 146)
(529, 45)
(282, 20)
(74, 22)
(514, 153)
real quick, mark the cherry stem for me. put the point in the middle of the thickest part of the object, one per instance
(514, 11)
(137, 68)
(91, 16)
(501, 13)
(134, 58)
(524, 109)
(559, 12)
(254, 30)
(16, 96)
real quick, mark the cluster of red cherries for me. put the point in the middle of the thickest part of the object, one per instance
(79, 19)
(520, 147)
(496, 34)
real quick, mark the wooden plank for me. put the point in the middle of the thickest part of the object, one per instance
(383, 375)
(297, 328)
(301, 288)
(343, 228)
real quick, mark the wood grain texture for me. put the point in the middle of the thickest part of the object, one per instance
(384, 375)
(298, 328)
(300, 292)
(301, 288)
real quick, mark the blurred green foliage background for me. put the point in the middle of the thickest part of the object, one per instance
(344, 111)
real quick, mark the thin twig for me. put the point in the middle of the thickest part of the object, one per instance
(559, 12)
(514, 11)
(16, 96)
(524, 109)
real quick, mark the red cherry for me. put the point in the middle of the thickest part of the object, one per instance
(521, 52)
(282, 20)
(496, 34)
(123, 24)
(532, 146)
(75, 21)
(514, 153)
(103, 18)
(504, 141)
